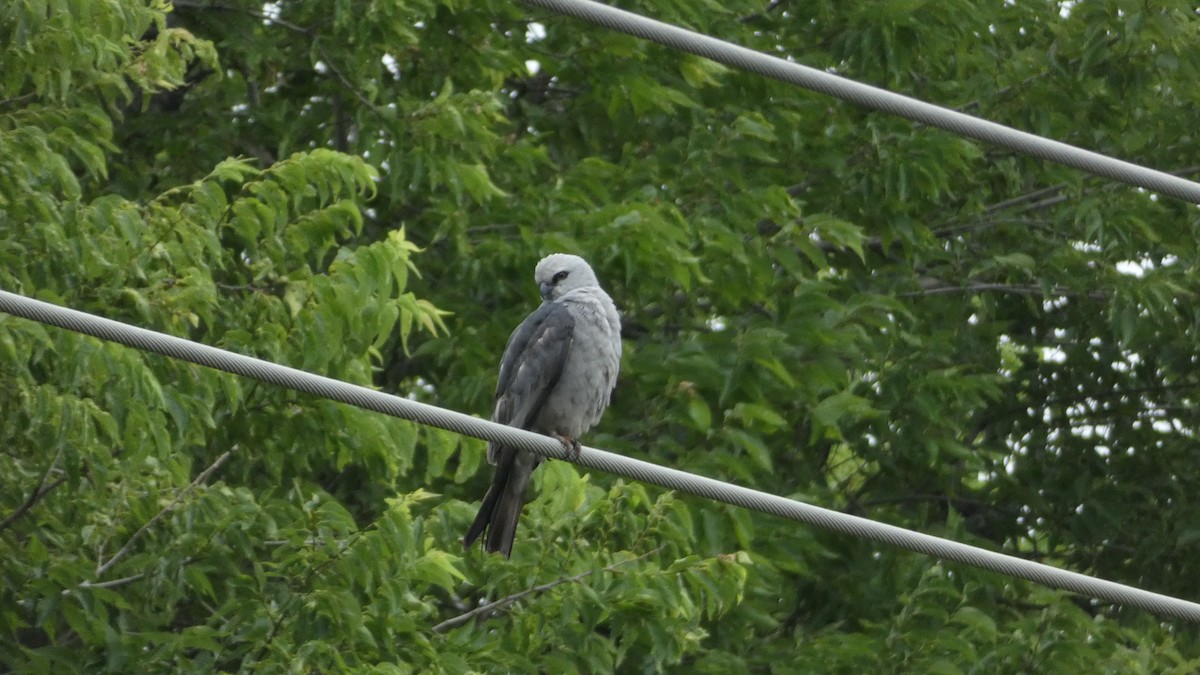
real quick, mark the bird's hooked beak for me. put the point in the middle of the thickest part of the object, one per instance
(545, 289)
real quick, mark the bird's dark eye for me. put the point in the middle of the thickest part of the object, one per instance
(559, 276)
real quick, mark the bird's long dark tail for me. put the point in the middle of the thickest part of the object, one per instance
(501, 507)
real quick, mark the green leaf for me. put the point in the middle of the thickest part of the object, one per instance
(752, 445)
(699, 412)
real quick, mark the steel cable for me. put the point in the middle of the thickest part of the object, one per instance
(874, 98)
(674, 479)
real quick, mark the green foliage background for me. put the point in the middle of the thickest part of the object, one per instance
(819, 301)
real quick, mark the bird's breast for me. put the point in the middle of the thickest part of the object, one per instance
(582, 393)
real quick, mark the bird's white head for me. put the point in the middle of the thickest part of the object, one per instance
(560, 273)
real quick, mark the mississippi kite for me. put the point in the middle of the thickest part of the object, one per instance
(556, 376)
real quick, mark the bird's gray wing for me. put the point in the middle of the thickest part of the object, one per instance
(530, 369)
(531, 366)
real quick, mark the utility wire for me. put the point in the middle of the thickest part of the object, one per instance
(673, 479)
(874, 98)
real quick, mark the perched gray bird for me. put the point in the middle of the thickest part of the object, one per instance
(558, 371)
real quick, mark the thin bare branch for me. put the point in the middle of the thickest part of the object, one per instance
(106, 584)
(496, 606)
(1033, 291)
(112, 583)
(1123, 391)
(40, 491)
(956, 502)
(1033, 196)
(101, 569)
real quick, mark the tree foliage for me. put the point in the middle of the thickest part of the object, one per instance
(819, 301)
